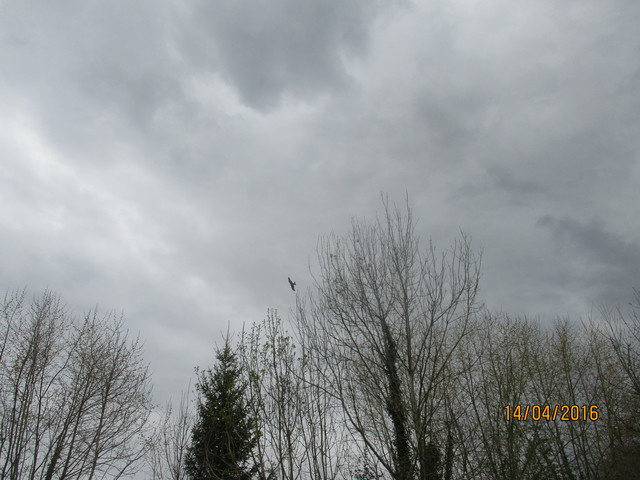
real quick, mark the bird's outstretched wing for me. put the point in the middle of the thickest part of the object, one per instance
(292, 283)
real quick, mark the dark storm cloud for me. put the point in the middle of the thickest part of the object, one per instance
(607, 263)
(271, 49)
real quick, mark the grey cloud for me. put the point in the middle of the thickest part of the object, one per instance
(501, 182)
(267, 50)
(609, 263)
(503, 178)
(89, 73)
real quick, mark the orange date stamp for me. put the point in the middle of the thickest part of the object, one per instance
(564, 413)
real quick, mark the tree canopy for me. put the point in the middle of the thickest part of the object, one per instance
(224, 434)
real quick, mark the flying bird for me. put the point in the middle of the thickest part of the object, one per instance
(292, 283)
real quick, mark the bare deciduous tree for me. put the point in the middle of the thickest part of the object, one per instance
(301, 435)
(621, 329)
(268, 359)
(74, 396)
(501, 356)
(167, 445)
(386, 322)
(518, 371)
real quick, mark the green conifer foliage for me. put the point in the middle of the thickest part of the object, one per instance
(224, 434)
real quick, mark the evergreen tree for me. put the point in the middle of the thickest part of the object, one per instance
(224, 434)
(366, 471)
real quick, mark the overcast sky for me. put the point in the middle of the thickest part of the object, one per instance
(177, 160)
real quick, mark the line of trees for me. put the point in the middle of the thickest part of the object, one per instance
(74, 395)
(394, 370)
